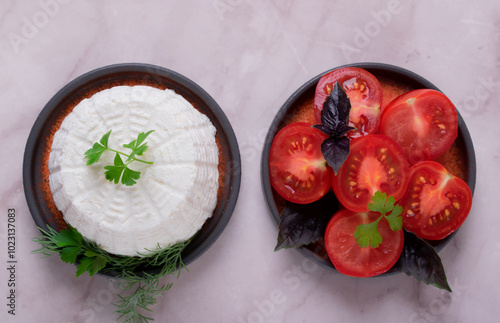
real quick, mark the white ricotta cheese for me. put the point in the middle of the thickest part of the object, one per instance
(174, 196)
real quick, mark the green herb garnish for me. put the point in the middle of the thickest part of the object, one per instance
(71, 246)
(74, 248)
(368, 234)
(120, 169)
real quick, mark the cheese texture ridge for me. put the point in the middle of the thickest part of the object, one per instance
(174, 196)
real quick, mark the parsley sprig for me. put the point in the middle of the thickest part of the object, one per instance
(70, 244)
(74, 248)
(368, 234)
(120, 169)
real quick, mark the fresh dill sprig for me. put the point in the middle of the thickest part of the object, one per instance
(133, 272)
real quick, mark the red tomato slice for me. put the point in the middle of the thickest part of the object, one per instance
(375, 163)
(298, 171)
(423, 122)
(436, 202)
(364, 92)
(348, 257)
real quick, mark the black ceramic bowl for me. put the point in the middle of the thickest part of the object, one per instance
(394, 80)
(35, 169)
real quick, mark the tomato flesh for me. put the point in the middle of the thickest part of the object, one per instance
(423, 122)
(436, 202)
(298, 171)
(351, 259)
(375, 163)
(364, 92)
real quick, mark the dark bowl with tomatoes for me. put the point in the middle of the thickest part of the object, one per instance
(459, 159)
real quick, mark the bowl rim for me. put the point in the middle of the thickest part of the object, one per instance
(159, 74)
(288, 105)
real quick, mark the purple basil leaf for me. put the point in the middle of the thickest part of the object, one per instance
(335, 113)
(302, 224)
(335, 124)
(420, 260)
(343, 130)
(325, 129)
(330, 113)
(338, 101)
(335, 151)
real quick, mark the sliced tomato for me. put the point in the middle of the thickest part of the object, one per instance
(436, 202)
(375, 163)
(423, 122)
(364, 92)
(351, 259)
(298, 170)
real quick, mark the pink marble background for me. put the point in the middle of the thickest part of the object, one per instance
(250, 56)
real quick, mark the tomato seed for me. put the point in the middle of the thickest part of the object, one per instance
(456, 205)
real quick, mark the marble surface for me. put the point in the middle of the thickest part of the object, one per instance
(250, 56)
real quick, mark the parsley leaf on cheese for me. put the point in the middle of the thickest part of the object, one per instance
(368, 234)
(94, 153)
(119, 169)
